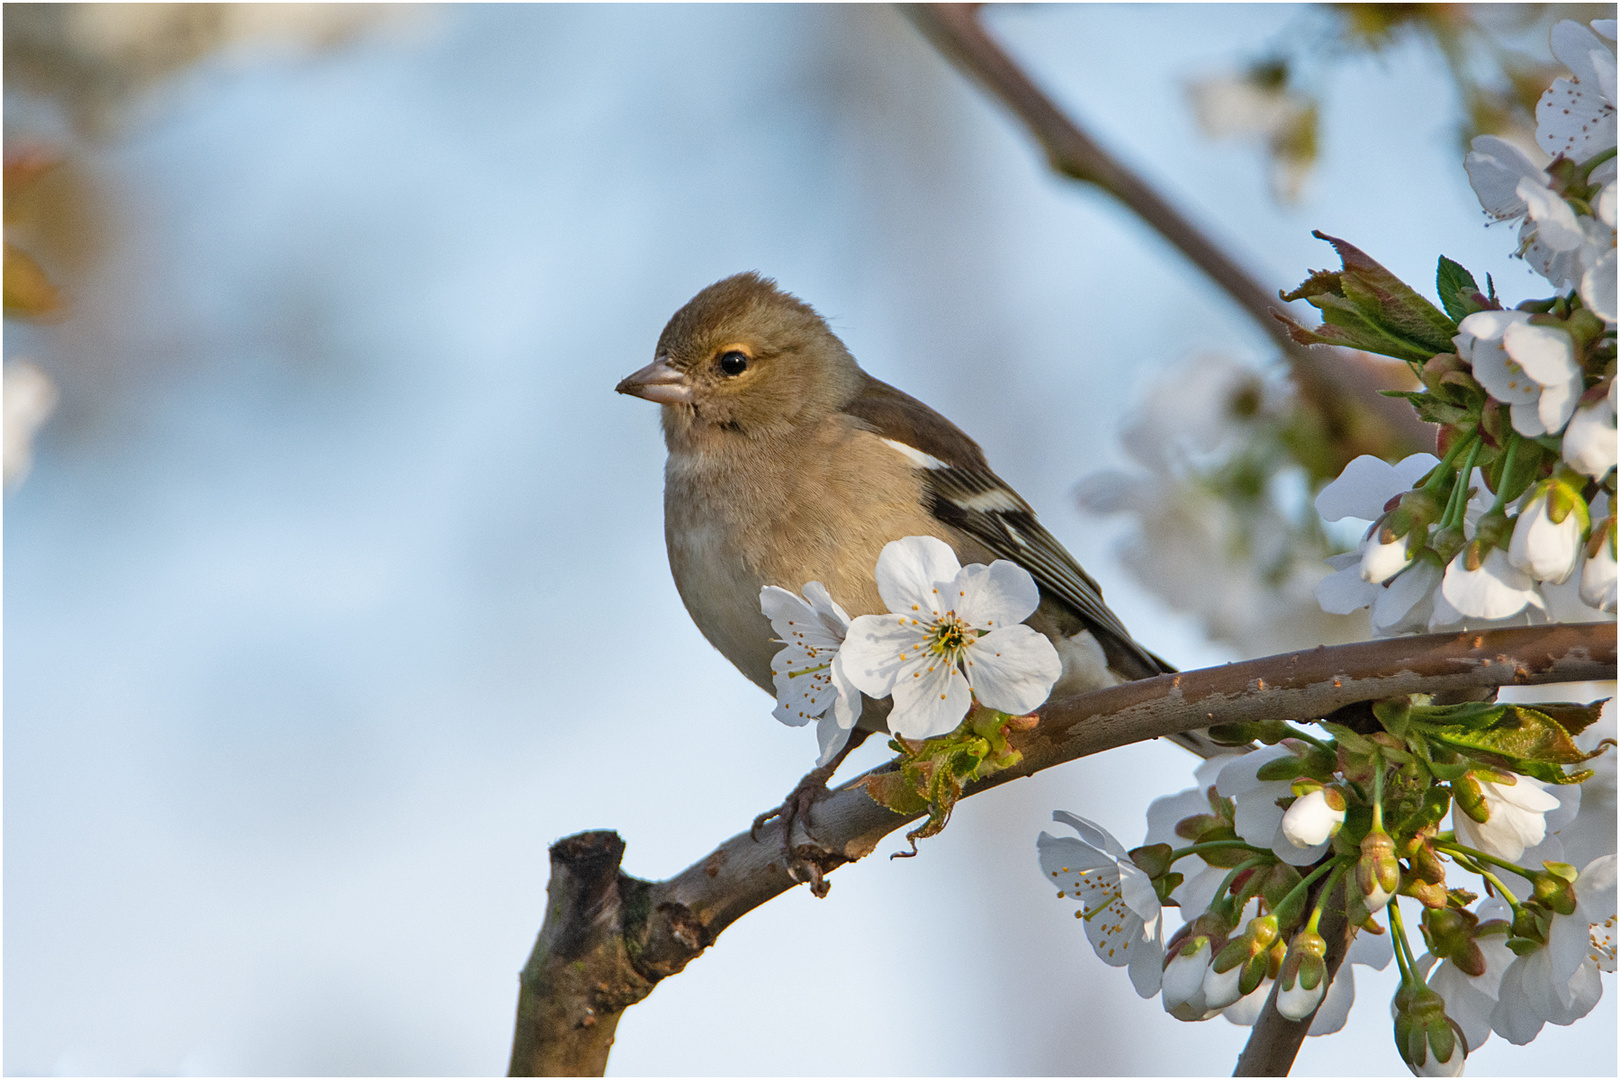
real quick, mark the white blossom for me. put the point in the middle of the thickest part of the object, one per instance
(1221, 988)
(808, 672)
(1515, 817)
(1598, 573)
(1257, 817)
(1560, 983)
(954, 633)
(1200, 880)
(1589, 441)
(1312, 819)
(1121, 912)
(1545, 549)
(1530, 368)
(1495, 168)
(1576, 117)
(1370, 576)
(1470, 999)
(1492, 589)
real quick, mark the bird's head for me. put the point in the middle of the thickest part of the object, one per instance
(745, 358)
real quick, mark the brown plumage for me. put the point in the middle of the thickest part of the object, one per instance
(788, 464)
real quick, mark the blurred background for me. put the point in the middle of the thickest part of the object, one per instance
(333, 562)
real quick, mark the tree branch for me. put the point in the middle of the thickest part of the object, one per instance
(1342, 387)
(608, 938)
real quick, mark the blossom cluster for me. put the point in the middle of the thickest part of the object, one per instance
(953, 636)
(1521, 499)
(1273, 841)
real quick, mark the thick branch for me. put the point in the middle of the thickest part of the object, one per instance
(1342, 386)
(1276, 1040)
(608, 938)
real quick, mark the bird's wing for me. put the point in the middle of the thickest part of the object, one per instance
(966, 495)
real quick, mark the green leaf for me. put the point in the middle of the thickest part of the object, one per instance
(1571, 717)
(1395, 305)
(1523, 737)
(1474, 715)
(1457, 289)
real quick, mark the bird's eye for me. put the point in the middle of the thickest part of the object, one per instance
(733, 362)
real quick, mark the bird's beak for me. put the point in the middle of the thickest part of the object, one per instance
(657, 382)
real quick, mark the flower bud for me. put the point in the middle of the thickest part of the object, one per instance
(1183, 984)
(1384, 551)
(1450, 934)
(1313, 818)
(1547, 538)
(1152, 859)
(1470, 798)
(1598, 572)
(1242, 965)
(1555, 887)
(1303, 979)
(1378, 874)
(1429, 1041)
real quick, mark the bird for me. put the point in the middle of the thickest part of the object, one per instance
(787, 463)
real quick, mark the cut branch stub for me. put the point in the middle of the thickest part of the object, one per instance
(597, 954)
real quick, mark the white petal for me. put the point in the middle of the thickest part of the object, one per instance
(1381, 561)
(1367, 483)
(1296, 1002)
(1512, 1018)
(1405, 605)
(834, 617)
(1479, 341)
(1343, 591)
(1598, 281)
(1546, 353)
(1555, 220)
(1370, 950)
(1589, 441)
(1221, 987)
(1165, 812)
(831, 737)
(1599, 578)
(998, 595)
(1247, 1010)
(1093, 835)
(1310, 821)
(1495, 590)
(1574, 46)
(1527, 419)
(911, 572)
(877, 647)
(1573, 119)
(1495, 167)
(1137, 890)
(930, 697)
(1013, 669)
(1542, 548)
(1335, 1007)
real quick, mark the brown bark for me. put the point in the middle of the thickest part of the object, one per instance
(608, 938)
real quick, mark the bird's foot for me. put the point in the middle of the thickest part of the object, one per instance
(807, 862)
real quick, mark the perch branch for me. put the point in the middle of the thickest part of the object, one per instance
(1341, 386)
(608, 938)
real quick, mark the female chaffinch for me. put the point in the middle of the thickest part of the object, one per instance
(788, 464)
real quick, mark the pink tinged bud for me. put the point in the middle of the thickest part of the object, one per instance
(1313, 818)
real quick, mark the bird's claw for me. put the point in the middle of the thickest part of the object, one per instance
(803, 861)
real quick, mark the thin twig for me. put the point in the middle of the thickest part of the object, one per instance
(1343, 387)
(618, 943)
